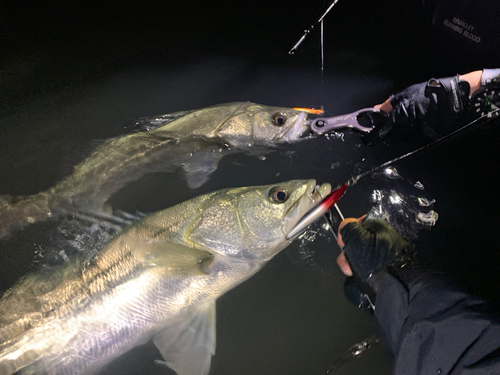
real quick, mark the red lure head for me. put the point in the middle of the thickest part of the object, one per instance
(333, 197)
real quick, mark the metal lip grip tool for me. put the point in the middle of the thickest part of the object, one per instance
(363, 120)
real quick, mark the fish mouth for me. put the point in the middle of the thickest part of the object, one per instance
(312, 196)
(298, 129)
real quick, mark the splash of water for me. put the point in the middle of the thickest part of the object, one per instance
(320, 261)
(388, 172)
(74, 236)
(314, 232)
(335, 165)
(419, 185)
(427, 219)
(402, 204)
(334, 135)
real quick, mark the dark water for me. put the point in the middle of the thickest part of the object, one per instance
(74, 74)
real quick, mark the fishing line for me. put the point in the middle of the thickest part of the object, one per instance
(311, 26)
(322, 68)
(372, 340)
(353, 180)
(331, 199)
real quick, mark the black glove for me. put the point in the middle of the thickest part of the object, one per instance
(436, 108)
(370, 247)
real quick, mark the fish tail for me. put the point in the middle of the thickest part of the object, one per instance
(18, 212)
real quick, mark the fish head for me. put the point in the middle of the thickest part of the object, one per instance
(254, 124)
(251, 223)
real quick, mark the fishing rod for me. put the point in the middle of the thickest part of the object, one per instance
(331, 199)
(354, 351)
(312, 25)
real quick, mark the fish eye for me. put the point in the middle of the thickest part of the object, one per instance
(278, 195)
(279, 119)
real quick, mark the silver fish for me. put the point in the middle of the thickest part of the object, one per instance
(157, 279)
(195, 140)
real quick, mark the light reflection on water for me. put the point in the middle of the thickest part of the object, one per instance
(408, 208)
(71, 237)
(402, 204)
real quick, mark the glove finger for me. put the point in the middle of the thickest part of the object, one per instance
(370, 246)
(386, 236)
(408, 93)
(359, 249)
(355, 234)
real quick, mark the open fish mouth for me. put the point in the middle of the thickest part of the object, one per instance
(300, 127)
(312, 196)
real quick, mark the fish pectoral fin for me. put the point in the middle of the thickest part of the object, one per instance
(187, 347)
(200, 166)
(174, 257)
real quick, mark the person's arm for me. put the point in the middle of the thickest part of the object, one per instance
(473, 78)
(433, 108)
(433, 327)
(427, 323)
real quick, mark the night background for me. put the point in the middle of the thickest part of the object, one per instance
(73, 73)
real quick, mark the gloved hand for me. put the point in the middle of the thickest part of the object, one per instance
(436, 107)
(369, 247)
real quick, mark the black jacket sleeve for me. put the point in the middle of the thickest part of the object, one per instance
(432, 327)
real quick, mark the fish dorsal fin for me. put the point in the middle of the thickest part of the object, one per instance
(151, 123)
(188, 346)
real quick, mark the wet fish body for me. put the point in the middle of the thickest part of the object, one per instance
(195, 140)
(157, 279)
